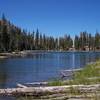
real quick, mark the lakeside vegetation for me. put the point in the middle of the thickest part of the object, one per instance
(13, 38)
(84, 86)
(90, 74)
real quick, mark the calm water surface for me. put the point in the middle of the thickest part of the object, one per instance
(41, 67)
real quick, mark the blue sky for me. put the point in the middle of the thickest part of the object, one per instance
(54, 17)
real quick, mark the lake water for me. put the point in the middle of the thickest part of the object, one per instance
(41, 66)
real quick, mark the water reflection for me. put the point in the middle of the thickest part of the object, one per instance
(3, 74)
(41, 66)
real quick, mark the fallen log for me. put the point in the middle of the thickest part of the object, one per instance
(40, 91)
(68, 73)
(21, 86)
(37, 84)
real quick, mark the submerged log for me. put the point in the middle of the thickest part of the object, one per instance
(67, 73)
(37, 84)
(40, 91)
(21, 86)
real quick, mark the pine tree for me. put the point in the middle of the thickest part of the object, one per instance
(76, 43)
(37, 39)
(97, 40)
(4, 34)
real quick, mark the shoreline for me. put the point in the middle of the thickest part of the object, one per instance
(70, 91)
(29, 52)
(81, 88)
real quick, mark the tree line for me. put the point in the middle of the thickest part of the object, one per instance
(86, 41)
(13, 38)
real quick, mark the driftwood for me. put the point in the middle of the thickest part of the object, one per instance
(21, 86)
(37, 84)
(67, 73)
(40, 91)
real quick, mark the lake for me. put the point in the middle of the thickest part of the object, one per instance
(41, 66)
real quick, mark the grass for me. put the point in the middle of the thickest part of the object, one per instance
(55, 82)
(89, 75)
